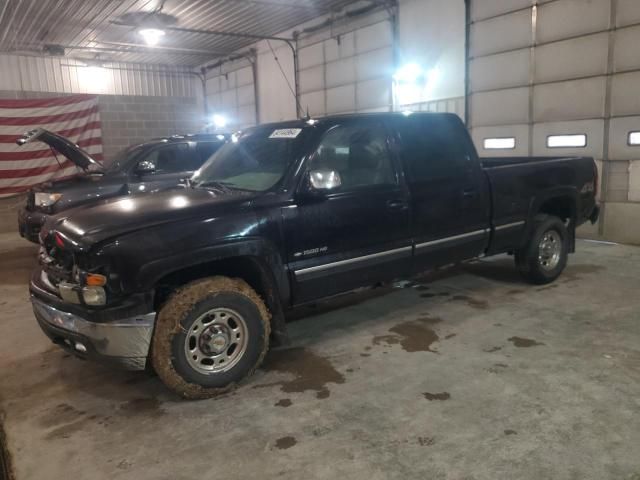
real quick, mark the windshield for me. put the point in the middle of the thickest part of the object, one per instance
(122, 158)
(256, 161)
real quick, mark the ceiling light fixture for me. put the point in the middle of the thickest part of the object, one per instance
(151, 36)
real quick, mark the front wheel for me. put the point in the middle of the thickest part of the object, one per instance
(545, 255)
(209, 335)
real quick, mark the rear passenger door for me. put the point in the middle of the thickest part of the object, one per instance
(449, 192)
(357, 234)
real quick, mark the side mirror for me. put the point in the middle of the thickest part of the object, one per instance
(145, 167)
(324, 180)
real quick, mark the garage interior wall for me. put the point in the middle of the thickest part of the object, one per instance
(563, 67)
(348, 66)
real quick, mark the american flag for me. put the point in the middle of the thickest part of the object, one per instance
(75, 117)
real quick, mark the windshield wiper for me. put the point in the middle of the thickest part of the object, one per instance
(224, 186)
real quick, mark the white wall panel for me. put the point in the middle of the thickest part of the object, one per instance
(341, 99)
(373, 94)
(500, 34)
(568, 18)
(311, 56)
(627, 56)
(373, 37)
(501, 107)
(619, 137)
(341, 72)
(340, 47)
(481, 9)
(375, 64)
(634, 181)
(579, 57)
(625, 99)
(312, 79)
(628, 12)
(570, 100)
(594, 129)
(231, 93)
(513, 68)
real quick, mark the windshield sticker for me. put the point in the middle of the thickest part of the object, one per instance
(286, 133)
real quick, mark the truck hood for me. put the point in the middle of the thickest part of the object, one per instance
(61, 144)
(91, 224)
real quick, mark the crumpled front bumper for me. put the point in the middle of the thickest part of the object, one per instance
(124, 342)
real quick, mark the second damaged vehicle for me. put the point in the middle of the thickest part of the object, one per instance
(158, 164)
(196, 282)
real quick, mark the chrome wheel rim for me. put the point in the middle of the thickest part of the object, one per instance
(216, 341)
(549, 250)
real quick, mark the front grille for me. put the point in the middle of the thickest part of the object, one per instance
(56, 262)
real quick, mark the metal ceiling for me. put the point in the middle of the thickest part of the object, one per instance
(26, 26)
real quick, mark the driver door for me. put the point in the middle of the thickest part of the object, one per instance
(357, 233)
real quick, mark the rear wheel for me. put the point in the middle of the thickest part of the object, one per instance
(545, 255)
(209, 335)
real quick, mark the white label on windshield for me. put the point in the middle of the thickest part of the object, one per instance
(286, 133)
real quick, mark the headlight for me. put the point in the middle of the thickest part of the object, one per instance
(94, 295)
(43, 199)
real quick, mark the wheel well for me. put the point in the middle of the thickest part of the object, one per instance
(249, 269)
(561, 207)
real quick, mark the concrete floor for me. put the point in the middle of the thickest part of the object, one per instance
(474, 375)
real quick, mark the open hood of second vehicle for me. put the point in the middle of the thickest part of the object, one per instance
(61, 144)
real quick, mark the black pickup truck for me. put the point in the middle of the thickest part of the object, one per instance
(196, 281)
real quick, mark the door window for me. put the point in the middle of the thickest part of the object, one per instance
(169, 158)
(203, 151)
(432, 147)
(358, 153)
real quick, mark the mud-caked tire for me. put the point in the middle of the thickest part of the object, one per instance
(209, 335)
(545, 254)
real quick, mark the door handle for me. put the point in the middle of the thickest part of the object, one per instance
(397, 205)
(469, 193)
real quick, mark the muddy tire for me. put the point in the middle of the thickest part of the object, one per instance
(545, 255)
(209, 335)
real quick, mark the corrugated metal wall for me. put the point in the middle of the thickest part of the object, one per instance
(563, 67)
(231, 92)
(62, 75)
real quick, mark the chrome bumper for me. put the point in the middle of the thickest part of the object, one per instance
(125, 341)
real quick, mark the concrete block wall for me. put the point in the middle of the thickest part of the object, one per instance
(128, 120)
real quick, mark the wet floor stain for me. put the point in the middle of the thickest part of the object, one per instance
(472, 302)
(62, 413)
(426, 441)
(548, 287)
(515, 292)
(510, 432)
(442, 396)
(451, 335)
(150, 407)
(524, 342)
(310, 371)
(412, 336)
(285, 442)
(365, 354)
(497, 368)
(284, 402)
(574, 272)
(492, 349)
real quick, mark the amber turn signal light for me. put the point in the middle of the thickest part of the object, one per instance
(95, 280)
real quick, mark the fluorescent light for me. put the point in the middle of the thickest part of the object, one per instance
(219, 121)
(634, 139)
(151, 35)
(567, 141)
(92, 77)
(408, 73)
(504, 143)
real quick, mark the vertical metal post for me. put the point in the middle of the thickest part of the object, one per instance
(467, 63)
(606, 168)
(532, 72)
(254, 71)
(394, 15)
(296, 74)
